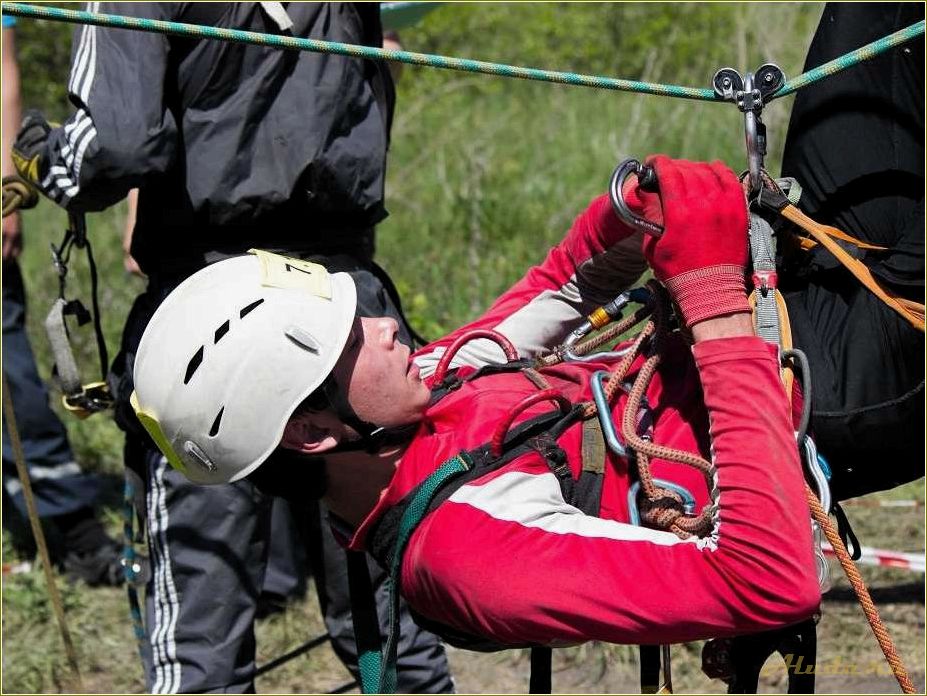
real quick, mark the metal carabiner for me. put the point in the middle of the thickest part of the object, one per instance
(605, 414)
(647, 180)
(688, 500)
(596, 320)
(815, 466)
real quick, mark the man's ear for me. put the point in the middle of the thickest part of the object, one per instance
(311, 432)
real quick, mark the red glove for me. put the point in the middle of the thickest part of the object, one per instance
(702, 255)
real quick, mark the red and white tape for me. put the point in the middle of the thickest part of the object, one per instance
(867, 503)
(887, 559)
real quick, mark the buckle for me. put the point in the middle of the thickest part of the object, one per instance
(92, 398)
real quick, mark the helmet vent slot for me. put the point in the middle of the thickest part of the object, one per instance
(192, 366)
(303, 338)
(214, 430)
(246, 310)
(221, 331)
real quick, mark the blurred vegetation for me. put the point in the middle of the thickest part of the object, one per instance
(485, 173)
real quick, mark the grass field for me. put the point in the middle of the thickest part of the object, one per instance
(485, 174)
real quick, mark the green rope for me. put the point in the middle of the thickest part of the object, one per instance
(58, 14)
(852, 58)
(249, 37)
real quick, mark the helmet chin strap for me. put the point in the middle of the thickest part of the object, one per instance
(371, 437)
(377, 440)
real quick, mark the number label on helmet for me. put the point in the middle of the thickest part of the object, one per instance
(279, 271)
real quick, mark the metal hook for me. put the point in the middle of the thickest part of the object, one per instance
(647, 180)
(750, 92)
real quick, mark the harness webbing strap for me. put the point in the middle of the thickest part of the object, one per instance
(593, 446)
(416, 510)
(763, 249)
(540, 681)
(912, 312)
(364, 617)
(649, 668)
(68, 374)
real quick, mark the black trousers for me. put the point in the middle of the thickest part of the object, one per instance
(856, 145)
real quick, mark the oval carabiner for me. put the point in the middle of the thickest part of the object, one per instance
(647, 180)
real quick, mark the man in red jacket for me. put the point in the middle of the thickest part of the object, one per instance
(260, 355)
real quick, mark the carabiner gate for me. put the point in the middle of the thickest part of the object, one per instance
(647, 180)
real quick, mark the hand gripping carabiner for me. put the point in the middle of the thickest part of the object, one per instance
(647, 180)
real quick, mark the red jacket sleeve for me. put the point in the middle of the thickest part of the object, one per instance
(507, 558)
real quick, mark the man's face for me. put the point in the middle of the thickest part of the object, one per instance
(383, 386)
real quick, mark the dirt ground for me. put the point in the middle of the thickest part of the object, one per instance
(849, 659)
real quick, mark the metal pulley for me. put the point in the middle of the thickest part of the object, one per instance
(750, 92)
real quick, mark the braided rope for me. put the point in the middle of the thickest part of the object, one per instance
(58, 14)
(662, 508)
(862, 594)
(870, 50)
(18, 194)
(334, 47)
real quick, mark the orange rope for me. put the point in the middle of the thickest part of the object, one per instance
(859, 587)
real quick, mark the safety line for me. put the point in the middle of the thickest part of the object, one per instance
(850, 59)
(870, 50)
(334, 47)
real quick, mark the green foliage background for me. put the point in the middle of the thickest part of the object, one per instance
(485, 174)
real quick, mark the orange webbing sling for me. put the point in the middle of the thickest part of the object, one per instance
(912, 312)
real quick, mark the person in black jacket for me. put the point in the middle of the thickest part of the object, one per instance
(855, 143)
(65, 495)
(230, 146)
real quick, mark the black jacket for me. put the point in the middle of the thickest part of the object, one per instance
(231, 145)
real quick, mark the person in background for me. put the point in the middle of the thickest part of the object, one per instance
(867, 363)
(65, 495)
(230, 146)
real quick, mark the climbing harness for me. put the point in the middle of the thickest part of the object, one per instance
(80, 398)
(655, 501)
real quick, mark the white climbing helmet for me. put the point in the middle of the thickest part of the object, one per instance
(231, 353)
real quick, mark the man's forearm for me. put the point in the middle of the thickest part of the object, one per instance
(725, 326)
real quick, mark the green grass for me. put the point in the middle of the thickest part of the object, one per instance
(485, 174)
